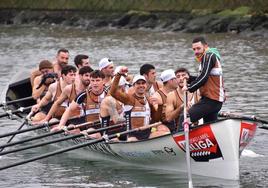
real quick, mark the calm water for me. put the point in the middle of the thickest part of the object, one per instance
(245, 71)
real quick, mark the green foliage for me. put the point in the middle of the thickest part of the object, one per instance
(240, 11)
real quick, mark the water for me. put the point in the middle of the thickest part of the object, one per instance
(245, 73)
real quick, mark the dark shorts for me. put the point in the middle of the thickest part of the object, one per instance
(141, 135)
(45, 109)
(171, 125)
(76, 121)
(118, 130)
(205, 108)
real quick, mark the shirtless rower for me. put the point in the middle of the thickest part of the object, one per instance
(106, 66)
(90, 101)
(69, 93)
(174, 105)
(41, 82)
(140, 114)
(60, 61)
(169, 80)
(54, 91)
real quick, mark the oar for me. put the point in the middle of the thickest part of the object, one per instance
(244, 117)
(32, 128)
(16, 101)
(186, 136)
(104, 138)
(50, 134)
(19, 110)
(60, 139)
(11, 138)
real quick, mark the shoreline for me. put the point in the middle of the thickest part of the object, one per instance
(246, 25)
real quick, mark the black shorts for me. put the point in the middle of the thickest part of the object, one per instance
(45, 109)
(205, 108)
(141, 135)
(171, 125)
(76, 121)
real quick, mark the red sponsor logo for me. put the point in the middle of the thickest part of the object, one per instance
(203, 144)
(247, 132)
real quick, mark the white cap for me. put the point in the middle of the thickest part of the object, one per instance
(104, 62)
(138, 77)
(167, 75)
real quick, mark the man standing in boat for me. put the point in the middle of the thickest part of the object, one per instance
(209, 82)
(169, 80)
(54, 91)
(140, 112)
(90, 101)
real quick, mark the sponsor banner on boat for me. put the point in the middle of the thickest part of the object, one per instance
(203, 144)
(247, 132)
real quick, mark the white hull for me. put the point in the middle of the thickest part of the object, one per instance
(215, 149)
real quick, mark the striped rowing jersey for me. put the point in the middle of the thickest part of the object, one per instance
(210, 79)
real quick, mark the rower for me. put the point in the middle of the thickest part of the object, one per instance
(69, 93)
(140, 113)
(54, 91)
(41, 82)
(159, 98)
(60, 61)
(149, 72)
(174, 105)
(106, 66)
(81, 60)
(90, 101)
(112, 111)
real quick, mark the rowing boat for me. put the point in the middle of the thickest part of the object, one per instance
(215, 148)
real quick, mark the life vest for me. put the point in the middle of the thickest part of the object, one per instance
(213, 88)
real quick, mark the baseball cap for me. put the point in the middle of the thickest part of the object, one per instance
(167, 75)
(138, 77)
(104, 62)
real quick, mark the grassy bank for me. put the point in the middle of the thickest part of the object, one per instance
(195, 6)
